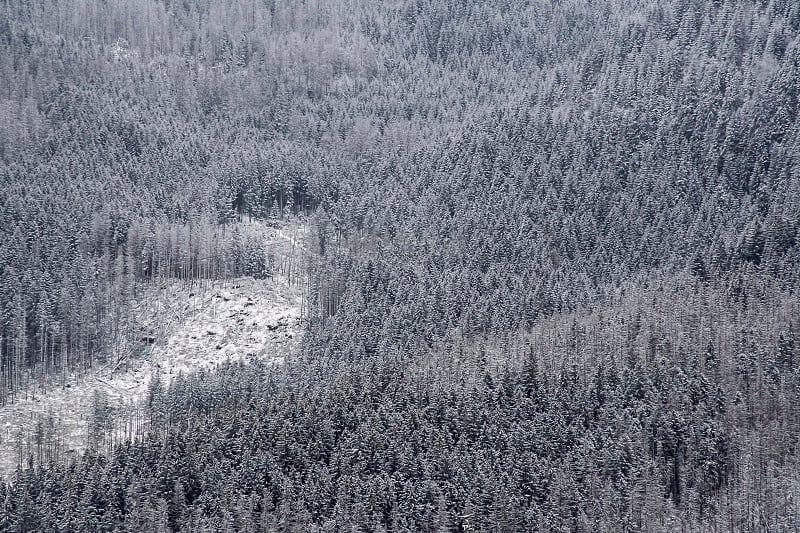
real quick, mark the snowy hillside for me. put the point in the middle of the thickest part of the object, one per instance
(180, 328)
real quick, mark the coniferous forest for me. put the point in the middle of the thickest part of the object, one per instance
(553, 273)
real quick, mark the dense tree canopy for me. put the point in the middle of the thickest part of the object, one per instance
(555, 274)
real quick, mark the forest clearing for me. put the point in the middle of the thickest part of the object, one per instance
(178, 328)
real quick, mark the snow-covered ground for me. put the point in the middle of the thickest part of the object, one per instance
(181, 328)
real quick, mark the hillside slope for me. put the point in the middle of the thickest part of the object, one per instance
(180, 328)
(554, 274)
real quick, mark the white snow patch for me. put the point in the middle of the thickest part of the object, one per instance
(181, 328)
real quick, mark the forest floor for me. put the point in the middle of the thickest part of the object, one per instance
(179, 328)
